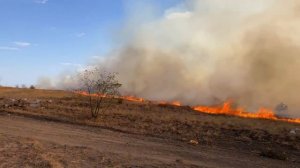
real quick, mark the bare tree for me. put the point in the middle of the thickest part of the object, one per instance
(99, 85)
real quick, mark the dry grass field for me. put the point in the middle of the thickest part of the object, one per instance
(265, 142)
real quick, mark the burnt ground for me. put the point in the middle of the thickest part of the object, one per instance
(41, 128)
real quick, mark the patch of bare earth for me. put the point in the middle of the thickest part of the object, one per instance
(56, 130)
(27, 152)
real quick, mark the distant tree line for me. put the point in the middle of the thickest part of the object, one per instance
(23, 86)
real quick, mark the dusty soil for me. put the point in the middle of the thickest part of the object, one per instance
(33, 143)
(40, 128)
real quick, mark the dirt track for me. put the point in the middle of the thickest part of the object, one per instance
(58, 144)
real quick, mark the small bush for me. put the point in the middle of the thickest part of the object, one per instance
(99, 85)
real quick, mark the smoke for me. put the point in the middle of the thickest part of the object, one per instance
(207, 51)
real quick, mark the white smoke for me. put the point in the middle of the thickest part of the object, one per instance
(207, 51)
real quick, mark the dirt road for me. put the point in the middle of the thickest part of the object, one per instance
(66, 145)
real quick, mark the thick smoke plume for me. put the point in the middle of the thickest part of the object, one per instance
(208, 51)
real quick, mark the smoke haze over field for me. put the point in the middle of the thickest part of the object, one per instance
(208, 51)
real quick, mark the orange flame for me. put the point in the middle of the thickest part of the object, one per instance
(132, 98)
(225, 109)
(129, 98)
(174, 103)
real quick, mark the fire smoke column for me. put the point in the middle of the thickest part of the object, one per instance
(209, 51)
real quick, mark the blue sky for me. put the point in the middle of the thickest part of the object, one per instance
(44, 37)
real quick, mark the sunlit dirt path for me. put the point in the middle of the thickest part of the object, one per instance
(126, 149)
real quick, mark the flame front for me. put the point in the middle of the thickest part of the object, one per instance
(225, 109)
(174, 103)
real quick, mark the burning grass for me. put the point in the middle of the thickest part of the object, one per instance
(225, 109)
(165, 120)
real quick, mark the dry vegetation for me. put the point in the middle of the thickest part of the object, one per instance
(27, 152)
(262, 137)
